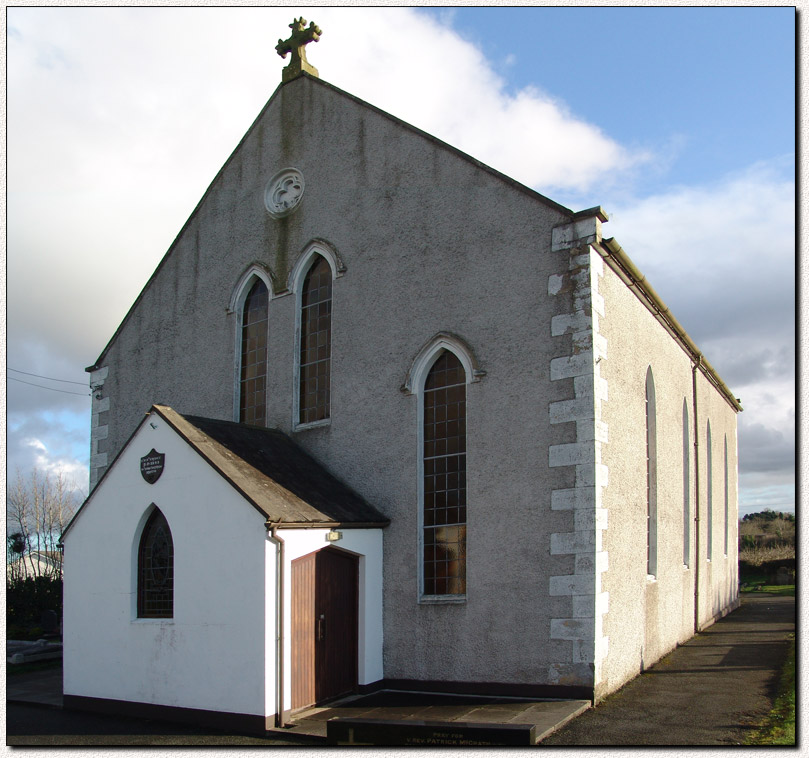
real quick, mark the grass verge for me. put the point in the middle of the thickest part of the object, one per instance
(772, 589)
(778, 726)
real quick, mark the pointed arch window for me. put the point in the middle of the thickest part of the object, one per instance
(156, 569)
(710, 495)
(253, 369)
(686, 488)
(727, 519)
(444, 478)
(314, 399)
(651, 476)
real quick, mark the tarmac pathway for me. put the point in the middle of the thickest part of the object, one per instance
(709, 691)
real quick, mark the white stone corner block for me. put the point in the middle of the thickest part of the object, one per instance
(562, 237)
(567, 543)
(572, 410)
(98, 460)
(595, 518)
(596, 475)
(100, 432)
(555, 284)
(584, 651)
(601, 389)
(602, 603)
(596, 262)
(575, 584)
(575, 497)
(599, 346)
(583, 606)
(99, 375)
(567, 366)
(572, 629)
(571, 454)
(602, 432)
(583, 341)
(571, 674)
(101, 405)
(569, 323)
(590, 430)
(580, 264)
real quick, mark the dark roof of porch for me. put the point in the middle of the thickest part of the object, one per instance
(277, 476)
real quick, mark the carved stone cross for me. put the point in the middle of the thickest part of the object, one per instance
(301, 36)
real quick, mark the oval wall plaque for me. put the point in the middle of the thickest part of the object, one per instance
(151, 465)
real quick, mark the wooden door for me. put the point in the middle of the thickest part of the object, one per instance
(324, 589)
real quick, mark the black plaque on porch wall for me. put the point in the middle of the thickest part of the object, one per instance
(151, 465)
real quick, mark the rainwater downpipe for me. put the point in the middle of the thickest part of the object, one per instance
(279, 625)
(696, 493)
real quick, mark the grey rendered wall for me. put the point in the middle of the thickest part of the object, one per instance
(648, 616)
(431, 243)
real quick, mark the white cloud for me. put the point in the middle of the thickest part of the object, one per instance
(446, 87)
(51, 443)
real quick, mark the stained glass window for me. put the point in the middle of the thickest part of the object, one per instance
(253, 384)
(445, 477)
(156, 569)
(315, 356)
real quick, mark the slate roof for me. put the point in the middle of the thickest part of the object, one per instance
(274, 474)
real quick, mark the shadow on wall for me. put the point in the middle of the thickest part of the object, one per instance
(726, 594)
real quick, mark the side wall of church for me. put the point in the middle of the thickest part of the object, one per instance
(650, 613)
(428, 243)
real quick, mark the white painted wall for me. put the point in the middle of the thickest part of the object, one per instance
(213, 653)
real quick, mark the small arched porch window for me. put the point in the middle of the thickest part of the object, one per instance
(156, 569)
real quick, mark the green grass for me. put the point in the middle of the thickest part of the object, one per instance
(772, 589)
(778, 726)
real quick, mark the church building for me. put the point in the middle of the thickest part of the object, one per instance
(385, 418)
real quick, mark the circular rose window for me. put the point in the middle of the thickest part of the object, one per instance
(284, 192)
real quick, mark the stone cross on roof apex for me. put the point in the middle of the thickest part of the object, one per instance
(300, 37)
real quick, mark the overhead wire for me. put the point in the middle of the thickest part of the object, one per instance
(52, 389)
(49, 378)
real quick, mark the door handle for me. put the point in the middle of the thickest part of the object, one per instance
(321, 627)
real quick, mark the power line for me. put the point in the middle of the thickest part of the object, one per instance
(49, 378)
(52, 389)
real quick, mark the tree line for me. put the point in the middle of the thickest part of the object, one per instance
(38, 508)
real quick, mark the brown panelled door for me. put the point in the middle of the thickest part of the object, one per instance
(324, 626)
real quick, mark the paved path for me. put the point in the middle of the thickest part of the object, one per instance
(707, 692)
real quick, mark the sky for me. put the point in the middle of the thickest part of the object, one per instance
(679, 122)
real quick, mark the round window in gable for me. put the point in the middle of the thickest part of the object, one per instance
(284, 192)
